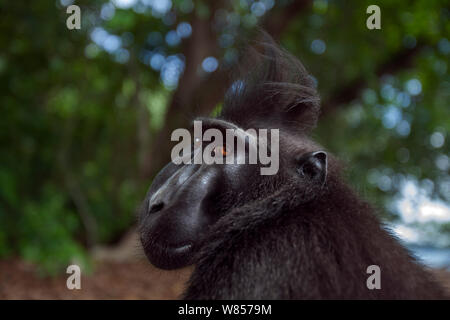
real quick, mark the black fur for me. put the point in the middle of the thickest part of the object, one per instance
(272, 90)
(287, 236)
(284, 248)
(288, 247)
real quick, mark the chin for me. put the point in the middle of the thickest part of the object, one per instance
(168, 257)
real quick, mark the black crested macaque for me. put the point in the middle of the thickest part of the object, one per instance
(301, 233)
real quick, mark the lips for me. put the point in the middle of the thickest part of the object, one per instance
(168, 256)
(181, 249)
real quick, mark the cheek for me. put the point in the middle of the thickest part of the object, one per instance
(244, 183)
(238, 175)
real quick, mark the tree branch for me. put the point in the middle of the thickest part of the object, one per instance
(401, 60)
(277, 22)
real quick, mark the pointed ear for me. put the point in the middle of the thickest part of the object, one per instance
(313, 166)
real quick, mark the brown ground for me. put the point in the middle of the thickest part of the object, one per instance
(111, 280)
(121, 272)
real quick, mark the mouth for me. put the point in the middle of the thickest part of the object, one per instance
(168, 257)
(179, 250)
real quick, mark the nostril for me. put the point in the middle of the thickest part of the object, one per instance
(156, 207)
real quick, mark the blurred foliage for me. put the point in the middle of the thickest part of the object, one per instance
(73, 102)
